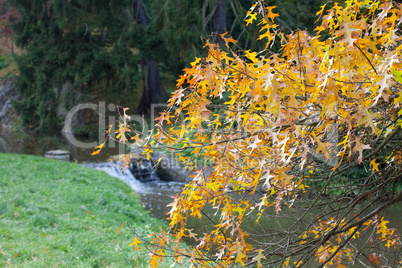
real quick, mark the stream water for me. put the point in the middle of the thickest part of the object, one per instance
(155, 195)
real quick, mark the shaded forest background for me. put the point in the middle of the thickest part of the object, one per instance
(126, 52)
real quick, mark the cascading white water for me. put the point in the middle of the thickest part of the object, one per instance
(114, 169)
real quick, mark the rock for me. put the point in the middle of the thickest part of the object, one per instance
(58, 154)
(169, 168)
(4, 147)
(143, 170)
(7, 95)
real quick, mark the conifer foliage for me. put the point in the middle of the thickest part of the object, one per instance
(97, 47)
(277, 155)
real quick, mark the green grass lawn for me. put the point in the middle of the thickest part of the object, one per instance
(59, 214)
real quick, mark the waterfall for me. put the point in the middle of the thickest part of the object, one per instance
(114, 169)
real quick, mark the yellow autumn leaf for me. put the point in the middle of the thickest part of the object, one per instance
(374, 165)
(135, 242)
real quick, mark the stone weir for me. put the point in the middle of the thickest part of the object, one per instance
(158, 167)
(141, 168)
(163, 165)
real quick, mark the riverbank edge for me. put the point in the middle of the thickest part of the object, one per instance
(60, 213)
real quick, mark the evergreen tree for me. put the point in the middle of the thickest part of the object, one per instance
(96, 46)
(107, 47)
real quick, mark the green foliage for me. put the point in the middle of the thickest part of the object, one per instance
(339, 185)
(81, 43)
(98, 46)
(182, 24)
(61, 214)
(5, 61)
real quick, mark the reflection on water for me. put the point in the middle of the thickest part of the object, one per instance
(27, 144)
(394, 216)
(38, 145)
(155, 196)
(82, 155)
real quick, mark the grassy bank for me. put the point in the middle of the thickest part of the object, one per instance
(59, 214)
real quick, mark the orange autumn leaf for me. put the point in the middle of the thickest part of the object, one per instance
(135, 242)
(118, 231)
(375, 165)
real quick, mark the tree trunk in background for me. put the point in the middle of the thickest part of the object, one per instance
(219, 21)
(153, 91)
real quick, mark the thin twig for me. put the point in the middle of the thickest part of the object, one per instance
(372, 66)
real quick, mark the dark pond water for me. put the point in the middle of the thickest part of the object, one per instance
(38, 145)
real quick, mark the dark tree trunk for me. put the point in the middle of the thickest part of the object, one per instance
(140, 15)
(153, 91)
(219, 21)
